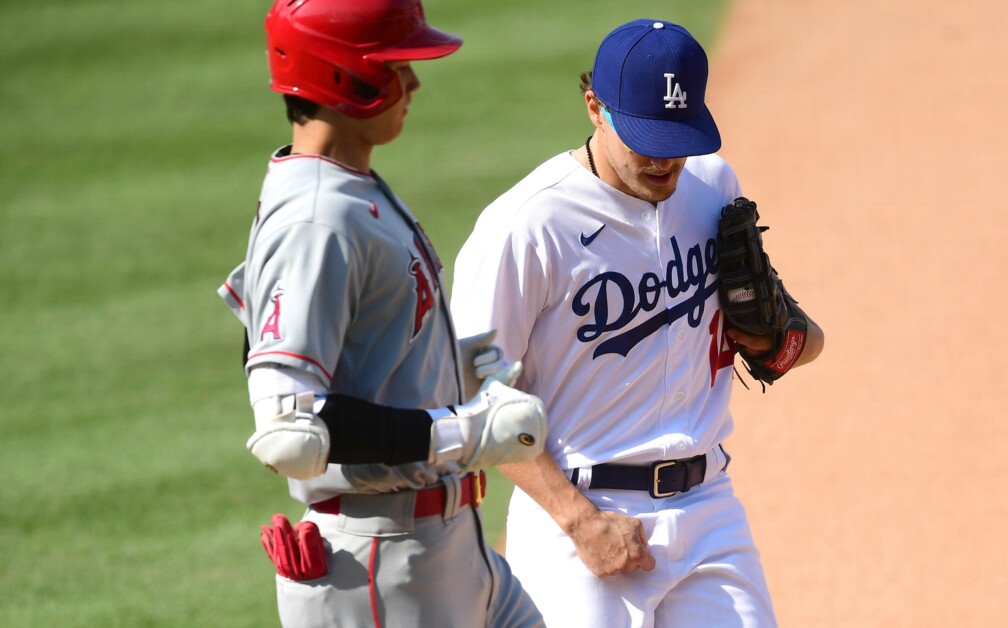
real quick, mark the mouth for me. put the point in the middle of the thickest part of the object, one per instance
(660, 179)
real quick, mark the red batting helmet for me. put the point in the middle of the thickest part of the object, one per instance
(333, 52)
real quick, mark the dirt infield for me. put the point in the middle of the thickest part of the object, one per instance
(872, 133)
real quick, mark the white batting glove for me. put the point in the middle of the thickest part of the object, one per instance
(481, 359)
(499, 425)
(289, 438)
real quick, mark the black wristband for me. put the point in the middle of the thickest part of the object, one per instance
(361, 432)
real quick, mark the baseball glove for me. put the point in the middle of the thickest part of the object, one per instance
(753, 297)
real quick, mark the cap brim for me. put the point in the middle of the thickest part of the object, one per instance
(697, 135)
(426, 43)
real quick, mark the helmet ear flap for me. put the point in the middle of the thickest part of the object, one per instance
(365, 91)
(364, 94)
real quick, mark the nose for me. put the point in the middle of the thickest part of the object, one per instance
(411, 82)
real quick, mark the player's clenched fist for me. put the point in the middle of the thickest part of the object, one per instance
(499, 425)
(610, 543)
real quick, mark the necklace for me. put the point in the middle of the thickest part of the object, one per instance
(591, 160)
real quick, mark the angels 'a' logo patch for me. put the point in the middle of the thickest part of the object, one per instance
(423, 244)
(272, 325)
(426, 272)
(424, 294)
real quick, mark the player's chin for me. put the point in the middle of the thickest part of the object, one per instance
(656, 194)
(388, 134)
(655, 188)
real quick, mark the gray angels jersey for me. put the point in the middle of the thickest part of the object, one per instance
(340, 281)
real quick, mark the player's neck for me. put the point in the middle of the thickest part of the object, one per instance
(320, 138)
(593, 157)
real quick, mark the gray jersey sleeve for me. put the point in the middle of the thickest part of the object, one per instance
(300, 304)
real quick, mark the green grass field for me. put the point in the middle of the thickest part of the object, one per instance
(136, 137)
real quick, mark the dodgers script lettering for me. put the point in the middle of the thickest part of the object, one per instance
(612, 301)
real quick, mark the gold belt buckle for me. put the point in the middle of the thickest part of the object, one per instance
(654, 471)
(477, 488)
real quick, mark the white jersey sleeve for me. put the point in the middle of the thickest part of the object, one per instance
(498, 284)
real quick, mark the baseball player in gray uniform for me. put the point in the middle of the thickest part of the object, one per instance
(599, 271)
(361, 394)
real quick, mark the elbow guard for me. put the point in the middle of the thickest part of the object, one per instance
(289, 438)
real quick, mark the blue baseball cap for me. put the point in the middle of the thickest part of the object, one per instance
(652, 76)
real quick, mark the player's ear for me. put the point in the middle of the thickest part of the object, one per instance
(594, 109)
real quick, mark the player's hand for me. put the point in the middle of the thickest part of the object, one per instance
(481, 359)
(611, 543)
(499, 425)
(753, 344)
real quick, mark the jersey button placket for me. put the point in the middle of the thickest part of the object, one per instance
(650, 221)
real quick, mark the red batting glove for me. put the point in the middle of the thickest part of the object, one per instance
(298, 553)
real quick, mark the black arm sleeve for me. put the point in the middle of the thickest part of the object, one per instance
(361, 432)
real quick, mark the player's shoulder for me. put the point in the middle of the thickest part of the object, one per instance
(711, 172)
(710, 167)
(533, 194)
(312, 189)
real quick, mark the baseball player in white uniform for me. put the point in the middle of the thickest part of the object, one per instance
(599, 271)
(357, 382)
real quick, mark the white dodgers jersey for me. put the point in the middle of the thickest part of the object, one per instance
(612, 305)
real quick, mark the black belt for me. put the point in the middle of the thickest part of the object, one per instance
(660, 479)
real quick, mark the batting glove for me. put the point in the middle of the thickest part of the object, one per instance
(298, 552)
(481, 359)
(499, 425)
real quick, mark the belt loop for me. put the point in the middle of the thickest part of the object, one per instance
(717, 462)
(581, 478)
(453, 496)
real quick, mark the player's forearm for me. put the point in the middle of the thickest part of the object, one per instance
(814, 341)
(298, 435)
(361, 432)
(546, 483)
(299, 432)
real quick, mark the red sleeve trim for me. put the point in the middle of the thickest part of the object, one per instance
(291, 355)
(234, 295)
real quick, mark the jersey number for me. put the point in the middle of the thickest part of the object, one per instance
(722, 348)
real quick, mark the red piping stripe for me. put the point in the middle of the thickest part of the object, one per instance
(371, 583)
(323, 158)
(292, 355)
(234, 295)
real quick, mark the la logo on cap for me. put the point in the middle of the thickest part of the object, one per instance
(651, 76)
(675, 97)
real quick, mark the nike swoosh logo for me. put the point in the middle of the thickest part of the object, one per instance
(586, 240)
